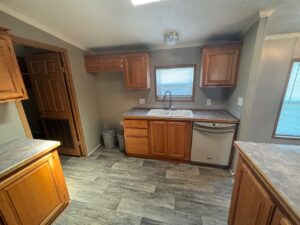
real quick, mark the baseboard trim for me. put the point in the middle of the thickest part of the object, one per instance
(94, 149)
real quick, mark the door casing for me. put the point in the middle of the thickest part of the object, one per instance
(70, 88)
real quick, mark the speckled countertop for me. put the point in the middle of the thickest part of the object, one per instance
(280, 165)
(203, 115)
(16, 153)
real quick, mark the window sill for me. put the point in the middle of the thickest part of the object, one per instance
(296, 138)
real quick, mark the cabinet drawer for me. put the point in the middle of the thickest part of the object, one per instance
(137, 145)
(133, 132)
(136, 123)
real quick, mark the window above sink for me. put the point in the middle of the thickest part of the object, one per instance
(178, 79)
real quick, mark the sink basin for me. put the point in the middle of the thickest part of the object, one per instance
(170, 113)
(181, 113)
(158, 112)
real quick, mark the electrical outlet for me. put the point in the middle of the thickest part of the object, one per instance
(208, 101)
(240, 101)
(142, 101)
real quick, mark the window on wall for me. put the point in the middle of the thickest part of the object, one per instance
(179, 80)
(288, 124)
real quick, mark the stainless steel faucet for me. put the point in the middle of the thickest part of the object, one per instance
(170, 99)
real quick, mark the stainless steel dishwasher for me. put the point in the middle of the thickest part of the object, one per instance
(212, 143)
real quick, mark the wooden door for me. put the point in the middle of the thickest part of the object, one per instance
(250, 203)
(220, 65)
(159, 138)
(177, 140)
(35, 194)
(48, 81)
(137, 71)
(11, 83)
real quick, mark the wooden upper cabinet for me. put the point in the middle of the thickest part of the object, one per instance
(220, 65)
(137, 71)
(92, 63)
(250, 202)
(112, 63)
(136, 67)
(11, 82)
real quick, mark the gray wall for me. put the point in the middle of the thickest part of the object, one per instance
(249, 41)
(250, 59)
(115, 99)
(86, 89)
(272, 75)
(10, 125)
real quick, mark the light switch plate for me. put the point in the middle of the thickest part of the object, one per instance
(142, 101)
(208, 101)
(240, 101)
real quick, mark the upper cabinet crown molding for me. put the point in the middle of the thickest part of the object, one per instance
(11, 83)
(220, 65)
(136, 67)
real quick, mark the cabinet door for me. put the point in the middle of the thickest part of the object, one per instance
(11, 83)
(92, 63)
(36, 194)
(177, 139)
(112, 63)
(280, 219)
(250, 203)
(159, 138)
(220, 65)
(137, 71)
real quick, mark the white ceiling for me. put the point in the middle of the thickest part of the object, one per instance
(90, 24)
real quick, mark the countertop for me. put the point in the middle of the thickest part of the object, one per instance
(279, 165)
(200, 115)
(16, 153)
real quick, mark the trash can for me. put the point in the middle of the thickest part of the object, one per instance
(109, 138)
(120, 136)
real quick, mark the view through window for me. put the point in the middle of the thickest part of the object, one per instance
(288, 124)
(178, 79)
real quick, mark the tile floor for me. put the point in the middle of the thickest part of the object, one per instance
(108, 188)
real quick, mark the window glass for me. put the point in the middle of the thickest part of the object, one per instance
(289, 118)
(178, 80)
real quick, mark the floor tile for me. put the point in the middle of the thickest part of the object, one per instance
(109, 188)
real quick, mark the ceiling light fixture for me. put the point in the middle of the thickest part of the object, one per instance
(171, 38)
(142, 2)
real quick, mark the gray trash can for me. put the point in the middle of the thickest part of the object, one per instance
(109, 138)
(120, 136)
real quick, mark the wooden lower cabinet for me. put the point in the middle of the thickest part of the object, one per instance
(158, 138)
(170, 139)
(177, 139)
(136, 137)
(34, 195)
(251, 202)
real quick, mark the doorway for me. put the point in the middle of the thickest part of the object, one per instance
(51, 109)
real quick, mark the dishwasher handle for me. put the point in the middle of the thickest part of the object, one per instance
(229, 126)
(213, 131)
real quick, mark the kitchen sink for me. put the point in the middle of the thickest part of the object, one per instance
(170, 113)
